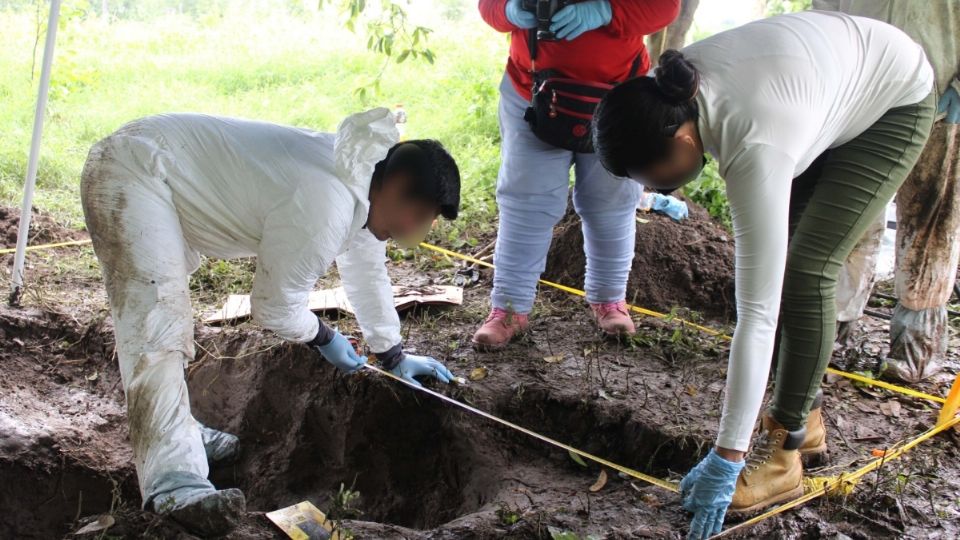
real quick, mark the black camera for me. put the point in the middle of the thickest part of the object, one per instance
(544, 10)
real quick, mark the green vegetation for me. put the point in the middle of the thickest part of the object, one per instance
(277, 60)
(283, 64)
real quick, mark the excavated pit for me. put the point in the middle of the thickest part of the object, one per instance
(415, 461)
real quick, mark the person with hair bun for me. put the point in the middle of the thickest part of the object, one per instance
(815, 120)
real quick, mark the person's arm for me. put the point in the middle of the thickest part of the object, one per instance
(632, 18)
(291, 258)
(494, 14)
(363, 272)
(758, 189)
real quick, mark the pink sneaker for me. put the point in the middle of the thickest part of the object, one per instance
(499, 328)
(613, 318)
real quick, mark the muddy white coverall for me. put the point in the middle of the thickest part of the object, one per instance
(163, 190)
(928, 204)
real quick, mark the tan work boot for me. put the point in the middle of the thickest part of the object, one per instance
(815, 442)
(773, 473)
(613, 318)
(499, 329)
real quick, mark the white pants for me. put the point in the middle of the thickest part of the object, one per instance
(532, 190)
(146, 263)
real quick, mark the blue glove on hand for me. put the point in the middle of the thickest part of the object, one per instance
(950, 104)
(670, 206)
(707, 491)
(575, 19)
(518, 16)
(417, 366)
(340, 353)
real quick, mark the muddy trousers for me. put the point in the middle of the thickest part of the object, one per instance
(832, 204)
(928, 251)
(532, 191)
(145, 262)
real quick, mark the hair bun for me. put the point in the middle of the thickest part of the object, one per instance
(676, 77)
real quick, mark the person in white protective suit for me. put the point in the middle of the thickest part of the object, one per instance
(928, 205)
(165, 189)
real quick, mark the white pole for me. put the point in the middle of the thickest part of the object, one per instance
(31, 179)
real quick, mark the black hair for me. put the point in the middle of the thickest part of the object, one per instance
(432, 172)
(635, 121)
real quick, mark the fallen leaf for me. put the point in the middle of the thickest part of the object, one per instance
(93, 376)
(890, 408)
(691, 390)
(650, 499)
(101, 523)
(876, 452)
(579, 460)
(601, 481)
(553, 359)
(478, 373)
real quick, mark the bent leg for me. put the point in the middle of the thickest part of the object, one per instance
(136, 235)
(858, 179)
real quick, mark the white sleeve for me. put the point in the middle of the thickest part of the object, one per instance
(758, 188)
(363, 272)
(294, 252)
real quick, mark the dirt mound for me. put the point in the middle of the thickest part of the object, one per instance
(43, 228)
(687, 264)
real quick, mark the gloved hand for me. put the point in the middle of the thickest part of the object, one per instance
(518, 16)
(415, 366)
(340, 353)
(575, 19)
(670, 206)
(950, 104)
(707, 491)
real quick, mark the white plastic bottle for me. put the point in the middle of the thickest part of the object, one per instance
(400, 117)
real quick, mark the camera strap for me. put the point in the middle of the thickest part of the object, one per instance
(533, 46)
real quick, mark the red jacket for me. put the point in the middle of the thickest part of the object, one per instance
(602, 55)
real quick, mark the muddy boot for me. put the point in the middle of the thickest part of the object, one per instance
(773, 473)
(193, 502)
(815, 441)
(613, 318)
(220, 446)
(499, 329)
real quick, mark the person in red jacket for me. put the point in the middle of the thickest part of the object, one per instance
(597, 41)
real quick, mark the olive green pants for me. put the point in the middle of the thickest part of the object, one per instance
(832, 204)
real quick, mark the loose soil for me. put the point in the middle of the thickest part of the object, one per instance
(43, 228)
(423, 469)
(687, 264)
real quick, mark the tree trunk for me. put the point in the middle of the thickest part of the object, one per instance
(674, 35)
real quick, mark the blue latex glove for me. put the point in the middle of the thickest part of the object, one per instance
(707, 491)
(950, 104)
(417, 366)
(670, 206)
(340, 353)
(575, 19)
(518, 16)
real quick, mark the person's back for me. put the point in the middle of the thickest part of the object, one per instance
(803, 82)
(228, 175)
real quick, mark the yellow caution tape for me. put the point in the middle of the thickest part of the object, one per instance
(665, 484)
(709, 331)
(4, 251)
(881, 384)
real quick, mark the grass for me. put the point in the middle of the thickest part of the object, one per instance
(300, 68)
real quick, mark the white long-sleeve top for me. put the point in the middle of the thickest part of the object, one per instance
(294, 198)
(774, 95)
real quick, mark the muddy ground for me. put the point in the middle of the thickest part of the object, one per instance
(422, 469)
